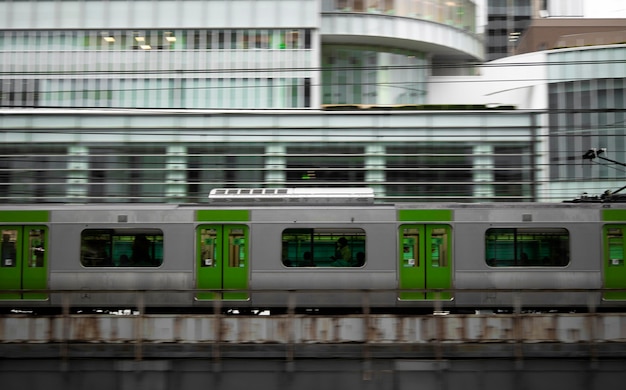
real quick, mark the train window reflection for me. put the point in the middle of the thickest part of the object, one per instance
(37, 241)
(236, 248)
(615, 240)
(322, 247)
(121, 248)
(527, 247)
(9, 249)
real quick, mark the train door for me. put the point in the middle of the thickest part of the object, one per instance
(613, 259)
(425, 261)
(23, 261)
(222, 261)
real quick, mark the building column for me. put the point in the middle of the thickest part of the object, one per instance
(78, 173)
(275, 164)
(375, 169)
(383, 92)
(176, 173)
(483, 172)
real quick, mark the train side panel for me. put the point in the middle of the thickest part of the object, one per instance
(540, 247)
(270, 271)
(571, 263)
(70, 270)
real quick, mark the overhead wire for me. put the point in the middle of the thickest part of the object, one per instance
(142, 166)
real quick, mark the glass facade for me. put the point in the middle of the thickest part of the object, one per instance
(210, 69)
(33, 172)
(373, 76)
(131, 172)
(587, 96)
(279, 67)
(229, 165)
(429, 170)
(186, 172)
(506, 21)
(326, 164)
(460, 13)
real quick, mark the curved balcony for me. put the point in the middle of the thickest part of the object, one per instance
(443, 42)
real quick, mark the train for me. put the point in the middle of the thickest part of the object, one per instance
(312, 249)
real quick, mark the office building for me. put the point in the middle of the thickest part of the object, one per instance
(161, 101)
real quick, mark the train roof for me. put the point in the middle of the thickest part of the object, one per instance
(356, 195)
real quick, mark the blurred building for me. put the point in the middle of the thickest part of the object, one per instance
(506, 21)
(161, 101)
(558, 33)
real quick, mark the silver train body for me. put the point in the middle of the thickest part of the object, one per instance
(271, 256)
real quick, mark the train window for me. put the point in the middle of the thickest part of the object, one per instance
(9, 249)
(527, 247)
(323, 247)
(208, 247)
(121, 248)
(236, 248)
(410, 247)
(36, 248)
(615, 240)
(439, 247)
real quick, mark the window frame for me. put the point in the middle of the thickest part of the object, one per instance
(542, 246)
(96, 251)
(322, 245)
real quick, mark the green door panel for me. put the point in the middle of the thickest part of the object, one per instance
(24, 261)
(613, 259)
(425, 261)
(208, 267)
(11, 261)
(235, 275)
(412, 274)
(34, 261)
(438, 256)
(222, 261)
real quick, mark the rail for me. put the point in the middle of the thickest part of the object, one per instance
(222, 334)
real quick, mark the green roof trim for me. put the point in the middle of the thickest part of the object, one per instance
(223, 215)
(613, 215)
(424, 215)
(24, 216)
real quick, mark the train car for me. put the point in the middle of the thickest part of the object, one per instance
(335, 251)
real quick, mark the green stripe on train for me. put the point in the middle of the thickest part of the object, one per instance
(24, 216)
(222, 215)
(424, 215)
(614, 215)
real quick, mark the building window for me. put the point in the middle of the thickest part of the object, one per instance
(429, 172)
(325, 165)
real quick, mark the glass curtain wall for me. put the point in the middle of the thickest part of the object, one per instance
(223, 166)
(429, 171)
(372, 76)
(215, 69)
(459, 13)
(587, 114)
(135, 174)
(326, 165)
(32, 173)
(404, 172)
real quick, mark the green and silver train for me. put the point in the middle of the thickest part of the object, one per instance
(313, 250)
